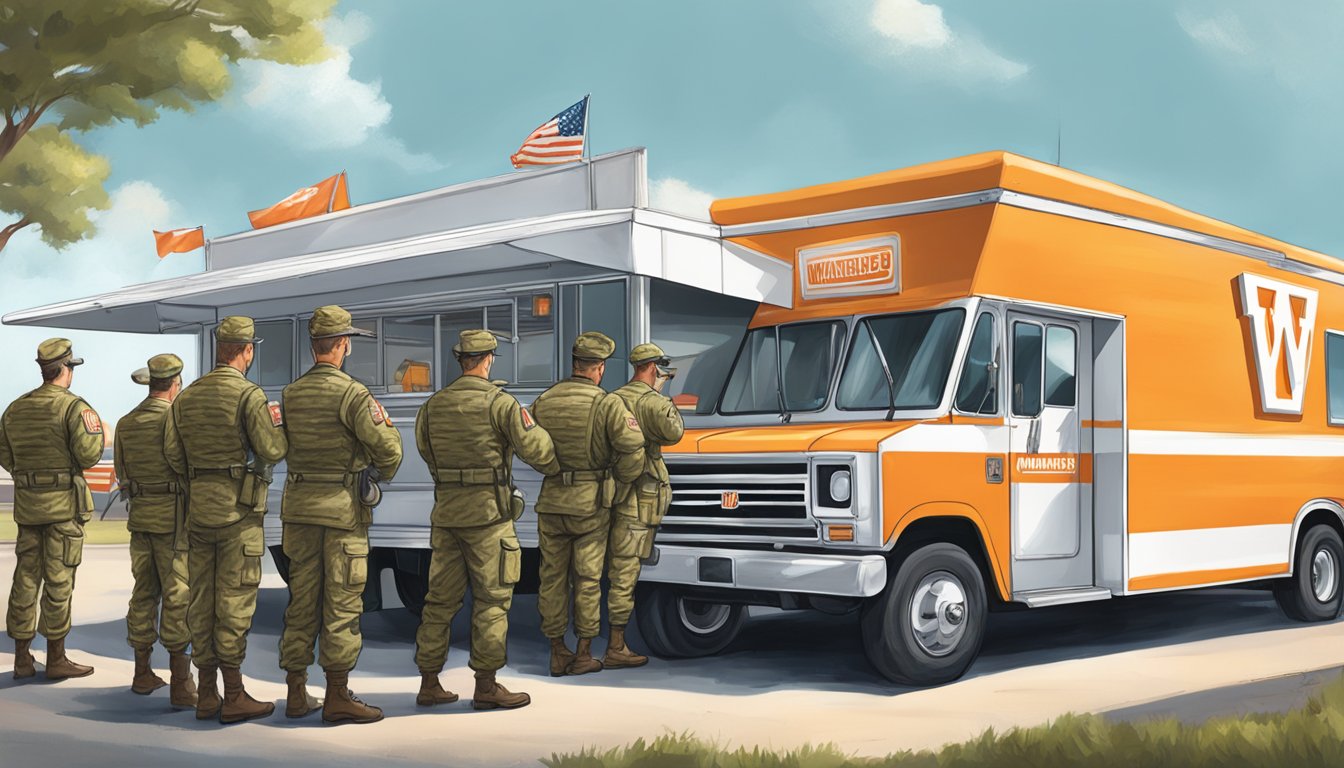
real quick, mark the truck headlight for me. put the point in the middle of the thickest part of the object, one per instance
(840, 486)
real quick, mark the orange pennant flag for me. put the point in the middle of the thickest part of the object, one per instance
(331, 194)
(179, 240)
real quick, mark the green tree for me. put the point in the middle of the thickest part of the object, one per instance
(73, 65)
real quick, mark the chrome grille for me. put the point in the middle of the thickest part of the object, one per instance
(771, 501)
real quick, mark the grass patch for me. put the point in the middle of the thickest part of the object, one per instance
(1310, 736)
(96, 532)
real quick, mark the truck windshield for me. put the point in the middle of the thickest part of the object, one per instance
(900, 362)
(805, 354)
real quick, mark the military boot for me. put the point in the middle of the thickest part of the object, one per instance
(619, 655)
(299, 702)
(208, 702)
(238, 706)
(145, 681)
(182, 694)
(561, 657)
(431, 692)
(59, 667)
(343, 706)
(584, 662)
(491, 695)
(23, 659)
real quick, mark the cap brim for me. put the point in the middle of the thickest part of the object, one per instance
(141, 376)
(457, 350)
(347, 332)
(72, 362)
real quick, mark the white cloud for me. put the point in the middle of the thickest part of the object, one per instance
(1223, 33)
(677, 196)
(917, 35)
(120, 253)
(322, 106)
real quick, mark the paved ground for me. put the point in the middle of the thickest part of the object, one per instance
(791, 678)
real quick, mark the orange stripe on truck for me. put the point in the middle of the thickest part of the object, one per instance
(1172, 493)
(1198, 578)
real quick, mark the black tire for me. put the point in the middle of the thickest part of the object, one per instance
(411, 589)
(680, 627)
(281, 561)
(890, 640)
(1320, 555)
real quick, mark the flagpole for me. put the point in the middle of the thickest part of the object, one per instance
(588, 150)
(205, 243)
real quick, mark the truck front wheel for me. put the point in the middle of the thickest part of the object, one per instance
(927, 626)
(677, 626)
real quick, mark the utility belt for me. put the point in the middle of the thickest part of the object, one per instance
(45, 479)
(235, 471)
(346, 479)
(582, 476)
(138, 489)
(251, 484)
(478, 476)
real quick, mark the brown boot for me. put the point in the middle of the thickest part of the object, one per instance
(59, 667)
(145, 681)
(182, 694)
(238, 706)
(619, 655)
(431, 692)
(208, 702)
(561, 657)
(299, 702)
(24, 666)
(343, 706)
(584, 662)
(491, 695)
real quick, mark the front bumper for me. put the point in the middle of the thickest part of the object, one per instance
(819, 574)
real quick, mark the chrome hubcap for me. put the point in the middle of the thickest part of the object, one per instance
(938, 613)
(1324, 575)
(703, 618)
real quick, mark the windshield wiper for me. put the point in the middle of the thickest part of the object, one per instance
(886, 371)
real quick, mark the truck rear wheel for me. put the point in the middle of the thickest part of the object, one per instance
(677, 626)
(926, 628)
(1313, 592)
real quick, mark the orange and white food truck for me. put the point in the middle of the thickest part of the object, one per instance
(1004, 382)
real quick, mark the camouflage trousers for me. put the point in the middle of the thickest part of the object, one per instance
(488, 558)
(160, 592)
(47, 556)
(630, 542)
(328, 569)
(573, 550)
(223, 572)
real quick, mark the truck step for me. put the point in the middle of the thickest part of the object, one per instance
(1039, 598)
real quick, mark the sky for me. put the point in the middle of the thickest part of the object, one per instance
(1229, 108)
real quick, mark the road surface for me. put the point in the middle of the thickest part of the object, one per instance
(790, 679)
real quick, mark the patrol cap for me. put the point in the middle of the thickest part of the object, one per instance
(475, 342)
(649, 353)
(54, 351)
(594, 346)
(237, 329)
(331, 321)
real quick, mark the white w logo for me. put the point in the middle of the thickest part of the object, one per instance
(1283, 318)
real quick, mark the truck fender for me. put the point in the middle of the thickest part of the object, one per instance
(955, 509)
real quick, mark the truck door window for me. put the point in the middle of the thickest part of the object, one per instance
(408, 353)
(806, 353)
(977, 392)
(1334, 374)
(917, 347)
(1027, 361)
(1061, 366)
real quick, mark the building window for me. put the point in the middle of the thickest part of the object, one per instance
(362, 365)
(273, 359)
(700, 332)
(408, 353)
(536, 339)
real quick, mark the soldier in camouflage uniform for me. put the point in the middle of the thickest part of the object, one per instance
(636, 517)
(158, 534)
(599, 445)
(222, 438)
(468, 433)
(340, 440)
(48, 437)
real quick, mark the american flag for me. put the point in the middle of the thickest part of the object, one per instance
(558, 140)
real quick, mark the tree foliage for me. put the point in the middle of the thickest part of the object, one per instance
(78, 64)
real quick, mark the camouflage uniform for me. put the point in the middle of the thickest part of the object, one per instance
(221, 438)
(337, 433)
(468, 433)
(599, 445)
(158, 536)
(637, 516)
(48, 437)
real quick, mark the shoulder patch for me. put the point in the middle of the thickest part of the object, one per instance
(92, 424)
(378, 414)
(632, 422)
(277, 415)
(528, 423)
